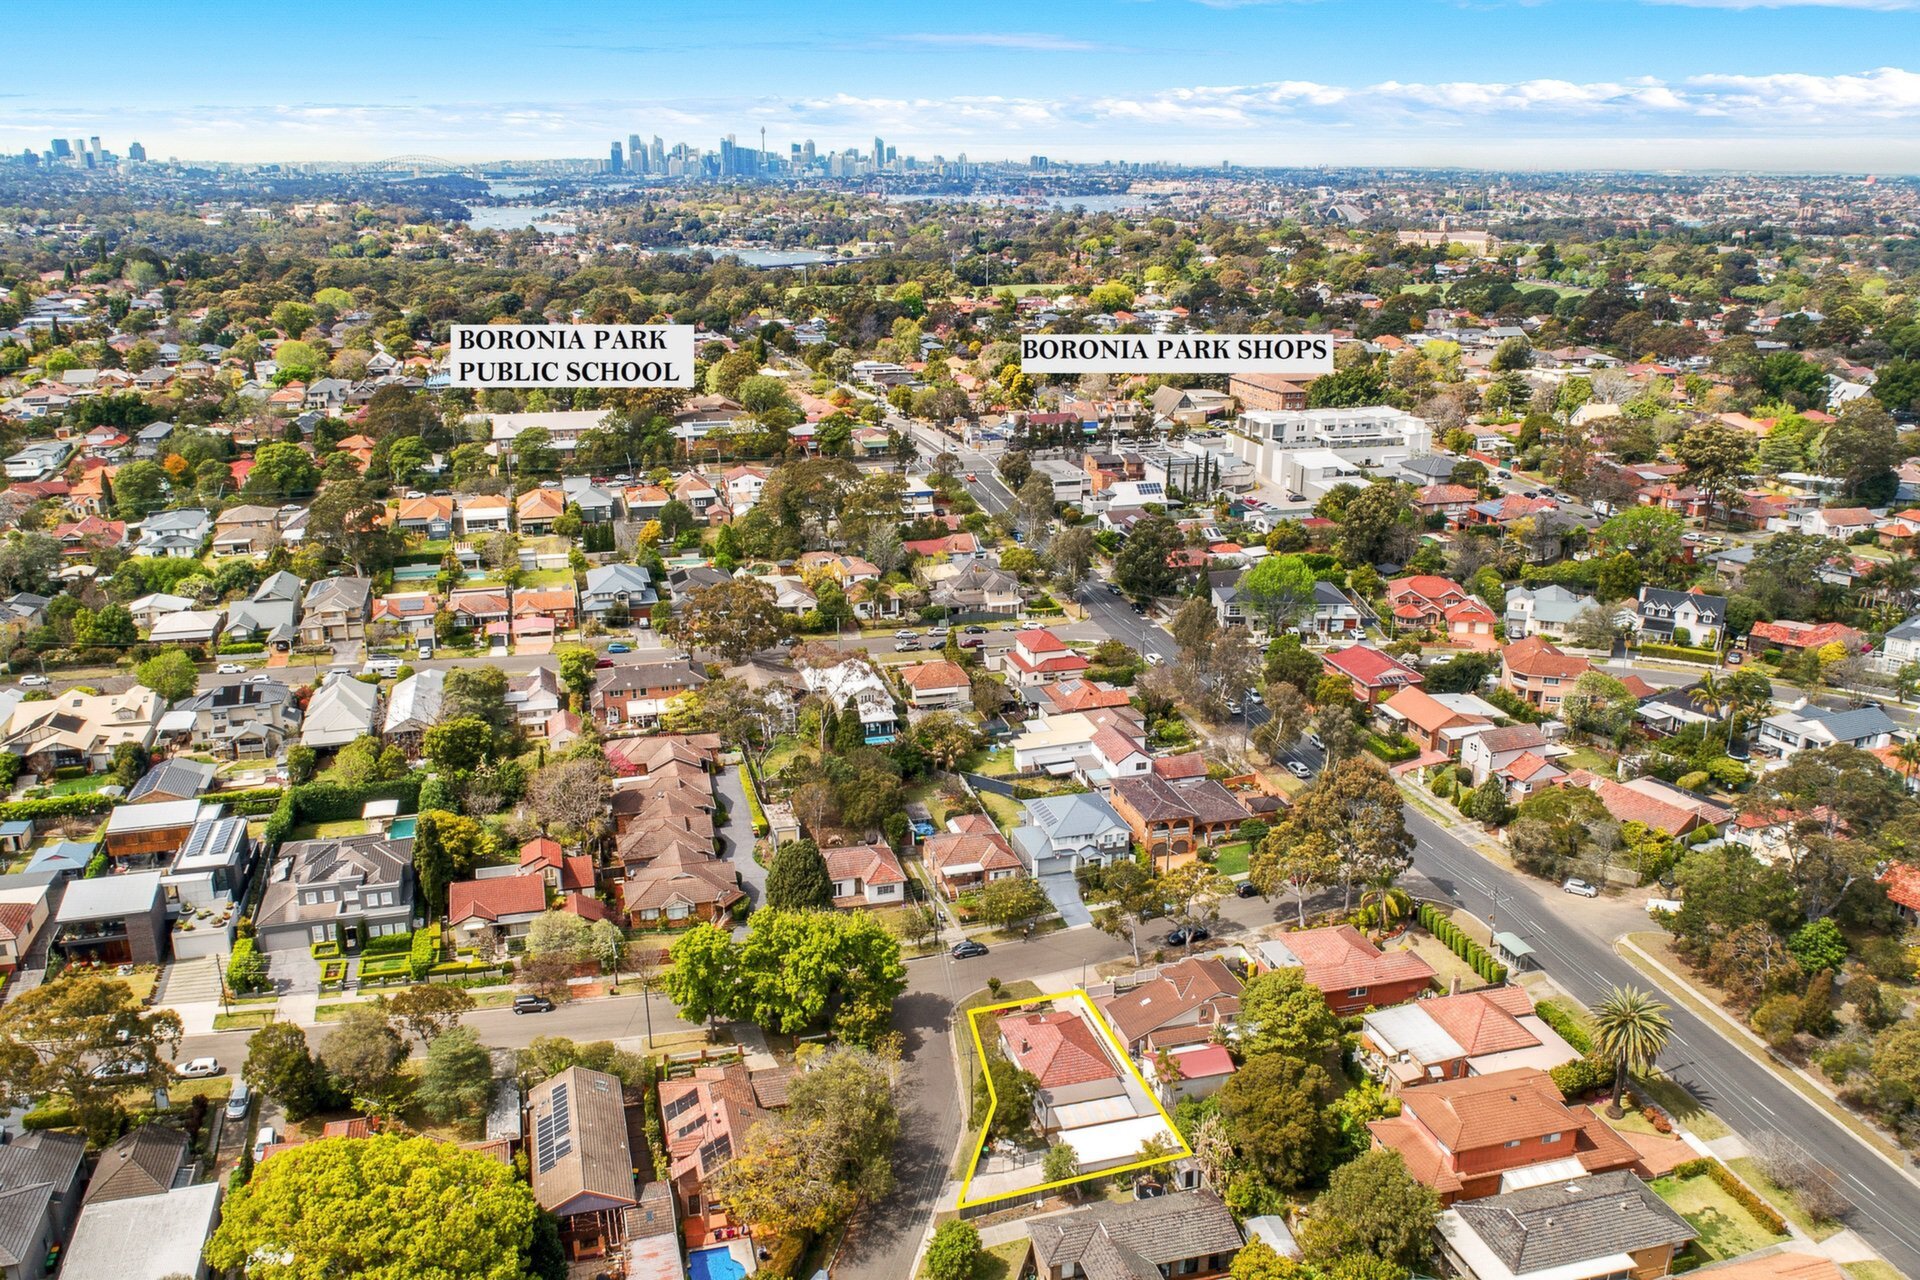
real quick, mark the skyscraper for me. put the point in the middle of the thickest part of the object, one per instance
(658, 155)
(613, 160)
(93, 146)
(879, 152)
(806, 153)
(61, 149)
(636, 154)
(136, 152)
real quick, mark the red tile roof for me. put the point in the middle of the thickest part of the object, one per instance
(496, 897)
(1059, 1048)
(1537, 657)
(1902, 882)
(1337, 959)
(935, 675)
(1369, 666)
(868, 863)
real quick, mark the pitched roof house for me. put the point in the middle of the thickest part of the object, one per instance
(1610, 1224)
(1375, 675)
(1188, 1233)
(865, 875)
(1184, 1003)
(1350, 971)
(1536, 671)
(579, 1162)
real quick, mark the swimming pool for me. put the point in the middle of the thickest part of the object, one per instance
(715, 1263)
(402, 828)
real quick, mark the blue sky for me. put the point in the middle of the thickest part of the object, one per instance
(1778, 84)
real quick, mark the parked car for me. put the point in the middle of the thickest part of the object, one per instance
(35, 681)
(1318, 745)
(260, 679)
(967, 949)
(974, 642)
(239, 1100)
(1253, 696)
(1033, 624)
(975, 630)
(1580, 888)
(1246, 889)
(1181, 937)
(906, 633)
(1154, 659)
(198, 1069)
(115, 1069)
(1299, 771)
(230, 669)
(906, 646)
(619, 647)
(261, 1141)
(939, 633)
(532, 1004)
(602, 664)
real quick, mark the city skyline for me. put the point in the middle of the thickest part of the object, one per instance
(1755, 84)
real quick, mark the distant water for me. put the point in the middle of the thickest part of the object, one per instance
(549, 220)
(756, 257)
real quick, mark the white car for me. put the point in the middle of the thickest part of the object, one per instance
(198, 1069)
(1580, 888)
(35, 682)
(1033, 625)
(1154, 659)
(261, 1141)
(906, 633)
(939, 633)
(1299, 771)
(262, 679)
(230, 669)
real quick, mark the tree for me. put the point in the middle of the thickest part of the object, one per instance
(1291, 860)
(1652, 534)
(429, 1009)
(954, 1251)
(1194, 892)
(571, 796)
(1060, 1164)
(734, 619)
(458, 745)
(1631, 1030)
(1276, 1107)
(1132, 892)
(53, 1036)
(1355, 386)
(1861, 448)
(1715, 453)
(1193, 629)
(1278, 590)
(478, 693)
(1282, 1013)
(1379, 524)
(139, 490)
(797, 879)
(704, 979)
(577, 663)
(446, 847)
(1372, 1206)
(1143, 567)
(1071, 554)
(557, 933)
(172, 675)
(363, 1051)
(1035, 506)
(457, 1080)
(1012, 901)
(280, 1066)
(327, 1209)
(1356, 806)
(845, 1102)
(280, 472)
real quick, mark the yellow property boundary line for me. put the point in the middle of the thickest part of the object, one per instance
(1119, 1053)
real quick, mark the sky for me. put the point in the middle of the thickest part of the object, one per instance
(1787, 85)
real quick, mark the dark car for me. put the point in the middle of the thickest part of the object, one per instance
(1246, 889)
(1138, 608)
(967, 949)
(974, 642)
(1181, 937)
(975, 630)
(532, 1004)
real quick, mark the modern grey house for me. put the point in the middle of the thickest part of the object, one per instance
(1544, 611)
(612, 587)
(1065, 833)
(339, 890)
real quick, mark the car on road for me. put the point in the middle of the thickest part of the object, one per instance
(975, 630)
(1246, 889)
(1503, 474)
(115, 1069)
(1299, 771)
(617, 647)
(198, 1069)
(1181, 937)
(1154, 659)
(1530, 493)
(1234, 708)
(974, 642)
(1580, 888)
(603, 664)
(35, 681)
(1318, 745)
(260, 679)
(1253, 696)
(906, 633)
(972, 478)
(532, 1004)
(906, 646)
(1033, 624)
(967, 949)
(940, 634)
(230, 669)
(1112, 590)
(1138, 607)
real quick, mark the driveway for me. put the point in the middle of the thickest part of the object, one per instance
(1064, 892)
(736, 837)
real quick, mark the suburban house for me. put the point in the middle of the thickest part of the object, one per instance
(1066, 832)
(705, 1118)
(854, 685)
(1421, 602)
(969, 855)
(1610, 1224)
(932, 685)
(1473, 1033)
(1480, 1136)
(145, 835)
(1803, 637)
(75, 728)
(495, 911)
(146, 1161)
(1660, 806)
(1185, 1234)
(579, 1160)
(1350, 971)
(429, 515)
(865, 875)
(978, 588)
(176, 534)
(1039, 657)
(1535, 671)
(1174, 819)
(1430, 722)
(343, 890)
(1334, 614)
(269, 614)
(38, 460)
(1067, 1059)
(173, 779)
(246, 530)
(538, 508)
(113, 920)
(197, 628)
(1485, 754)
(1186, 1002)
(148, 610)
(536, 697)
(637, 695)
(341, 710)
(413, 708)
(40, 1176)
(620, 590)
(1805, 726)
(1375, 675)
(1676, 617)
(482, 513)
(335, 611)
(412, 612)
(679, 886)
(597, 505)
(24, 911)
(250, 720)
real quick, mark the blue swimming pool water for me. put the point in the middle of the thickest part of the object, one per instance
(717, 1263)
(402, 828)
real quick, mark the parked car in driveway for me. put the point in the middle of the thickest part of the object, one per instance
(1581, 888)
(239, 1100)
(261, 1141)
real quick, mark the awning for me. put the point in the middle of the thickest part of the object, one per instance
(1060, 769)
(1512, 945)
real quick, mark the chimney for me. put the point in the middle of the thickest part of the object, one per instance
(1453, 987)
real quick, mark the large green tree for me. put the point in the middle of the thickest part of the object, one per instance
(281, 1066)
(734, 619)
(1276, 1107)
(1281, 1012)
(1374, 1207)
(797, 880)
(171, 674)
(457, 1081)
(53, 1036)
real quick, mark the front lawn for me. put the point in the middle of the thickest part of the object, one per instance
(1726, 1230)
(1783, 1200)
(1231, 859)
(997, 764)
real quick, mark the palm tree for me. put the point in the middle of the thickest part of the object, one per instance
(1633, 1031)
(1908, 754)
(1389, 903)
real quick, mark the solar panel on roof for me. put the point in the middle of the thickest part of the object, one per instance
(680, 1105)
(712, 1153)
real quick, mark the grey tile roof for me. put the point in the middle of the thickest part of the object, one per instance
(173, 779)
(1073, 817)
(1851, 725)
(1566, 1222)
(143, 1163)
(1125, 1240)
(34, 1168)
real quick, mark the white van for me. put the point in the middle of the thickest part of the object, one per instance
(261, 1141)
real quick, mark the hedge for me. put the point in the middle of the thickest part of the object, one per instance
(1390, 750)
(250, 803)
(1742, 1194)
(324, 950)
(387, 944)
(1680, 653)
(73, 806)
(1440, 926)
(424, 950)
(241, 647)
(49, 1115)
(656, 1142)
(758, 816)
(332, 802)
(1564, 1025)
(246, 968)
(1582, 1075)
